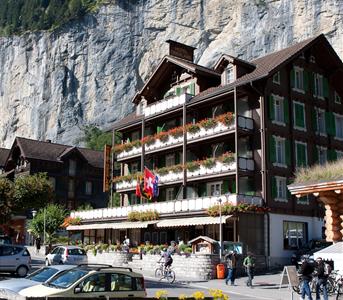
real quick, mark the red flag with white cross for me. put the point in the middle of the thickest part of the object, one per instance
(149, 179)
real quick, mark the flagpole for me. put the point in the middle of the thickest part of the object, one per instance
(143, 151)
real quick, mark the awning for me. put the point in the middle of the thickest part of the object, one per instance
(191, 221)
(121, 225)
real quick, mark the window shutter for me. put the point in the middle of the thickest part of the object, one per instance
(288, 182)
(286, 110)
(192, 88)
(330, 123)
(272, 149)
(271, 108)
(161, 162)
(314, 120)
(292, 78)
(233, 187)
(225, 187)
(306, 80)
(288, 152)
(274, 187)
(201, 190)
(299, 115)
(325, 87)
(177, 158)
(332, 154)
(178, 91)
(315, 155)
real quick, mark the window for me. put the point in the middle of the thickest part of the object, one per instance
(94, 283)
(320, 120)
(301, 154)
(53, 182)
(276, 78)
(72, 167)
(298, 79)
(170, 160)
(280, 150)
(281, 189)
(88, 190)
(312, 59)
(279, 109)
(337, 98)
(339, 126)
(318, 86)
(71, 188)
(294, 235)
(303, 200)
(322, 155)
(299, 116)
(133, 199)
(217, 150)
(121, 282)
(230, 77)
(134, 167)
(214, 188)
(135, 136)
(170, 194)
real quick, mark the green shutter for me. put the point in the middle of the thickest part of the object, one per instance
(288, 152)
(271, 108)
(274, 188)
(177, 158)
(299, 115)
(332, 154)
(202, 190)
(314, 120)
(292, 78)
(301, 155)
(315, 155)
(306, 80)
(178, 91)
(288, 182)
(330, 123)
(286, 110)
(272, 149)
(225, 187)
(325, 87)
(192, 89)
(233, 187)
(162, 161)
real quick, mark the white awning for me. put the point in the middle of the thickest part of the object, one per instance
(121, 225)
(191, 221)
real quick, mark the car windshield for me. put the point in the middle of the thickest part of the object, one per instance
(43, 274)
(76, 251)
(66, 279)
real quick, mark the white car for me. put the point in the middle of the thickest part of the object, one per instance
(91, 281)
(71, 255)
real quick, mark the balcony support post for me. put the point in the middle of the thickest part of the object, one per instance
(236, 138)
(184, 151)
(143, 152)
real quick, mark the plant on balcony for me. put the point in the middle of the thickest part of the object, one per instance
(149, 215)
(162, 171)
(148, 140)
(227, 208)
(176, 169)
(227, 158)
(162, 136)
(226, 119)
(136, 143)
(192, 166)
(71, 221)
(176, 132)
(193, 128)
(133, 216)
(208, 123)
(208, 163)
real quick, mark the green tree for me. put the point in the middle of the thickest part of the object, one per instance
(6, 198)
(33, 191)
(54, 217)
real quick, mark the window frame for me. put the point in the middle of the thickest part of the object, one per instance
(320, 111)
(277, 78)
(318, 86)
(72, 167)
(281, 182)
(337, 97)
(304, 238)
(294, 116)
(283, 162)
(171, 158)
(229, 76)
(300, 72)
(88, 188)
(281, 100)
(214, 183)
(170, 191)
(319, 151)
(338, 116)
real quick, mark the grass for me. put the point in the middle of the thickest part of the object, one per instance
(331, 171)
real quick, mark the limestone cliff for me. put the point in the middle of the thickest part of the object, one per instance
(52, 84)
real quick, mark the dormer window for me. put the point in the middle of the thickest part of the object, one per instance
(230, 77)
(276, 78)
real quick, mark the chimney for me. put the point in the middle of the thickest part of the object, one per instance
(181, 50)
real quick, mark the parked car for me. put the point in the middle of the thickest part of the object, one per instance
(91, 281)
(5, 240)
(66, 255)
(41, 275)
(15, 259)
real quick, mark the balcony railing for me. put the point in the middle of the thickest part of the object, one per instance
(166, 104)
(168, 207)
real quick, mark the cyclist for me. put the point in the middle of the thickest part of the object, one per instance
(305, 272)
(168, 260)
(323, 273)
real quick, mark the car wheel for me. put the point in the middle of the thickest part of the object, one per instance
(47, 263)
(61, 262)
(22, 271)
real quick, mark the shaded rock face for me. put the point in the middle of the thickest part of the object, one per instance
(53, 84)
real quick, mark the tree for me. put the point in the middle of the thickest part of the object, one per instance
(6, 198)
(32, 191)
(54, 217)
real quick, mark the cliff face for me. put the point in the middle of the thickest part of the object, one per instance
(53, 84)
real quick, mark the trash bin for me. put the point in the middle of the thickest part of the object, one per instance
(220, 271)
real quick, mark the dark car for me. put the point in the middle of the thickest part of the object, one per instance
(5, 240)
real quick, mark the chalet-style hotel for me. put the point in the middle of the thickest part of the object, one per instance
(235, 132)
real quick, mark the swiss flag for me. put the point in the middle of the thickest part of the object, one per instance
(149, 179)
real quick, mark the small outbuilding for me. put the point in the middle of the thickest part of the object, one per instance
(204, 245)
(332, 253)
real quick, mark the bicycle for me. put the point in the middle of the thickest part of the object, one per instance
(165, 272)
(330, 286)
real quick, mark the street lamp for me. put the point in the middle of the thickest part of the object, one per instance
(34, 213)
(220, 224)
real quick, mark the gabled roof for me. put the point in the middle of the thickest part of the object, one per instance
(182, 63)
(3, 156)
(269, 64)
(233, 60)
(33, 149)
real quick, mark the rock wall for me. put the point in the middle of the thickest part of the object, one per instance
(53, 84)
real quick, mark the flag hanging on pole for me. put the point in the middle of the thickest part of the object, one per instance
(149, 179)
(155, 187)
(138, 187)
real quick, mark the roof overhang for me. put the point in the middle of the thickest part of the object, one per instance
(118, 225)
(192, 221)
(316, 187)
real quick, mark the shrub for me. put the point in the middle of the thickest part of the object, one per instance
(227, 158)
(193, 128)
(176, 168)
(208, 123)
(136, 143)
(192, 166)
(209, 163)
(188, 250)
(226, 119)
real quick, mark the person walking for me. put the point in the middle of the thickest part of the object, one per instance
(305, 272)
(231, 263)
(38, 241)
(249, 264)
(323, 272)
(126, 244)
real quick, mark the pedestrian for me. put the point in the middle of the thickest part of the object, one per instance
(323, 271)
(126, 244)
(38, 241)
(231, 262)
(305, 272)
(249, 264)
